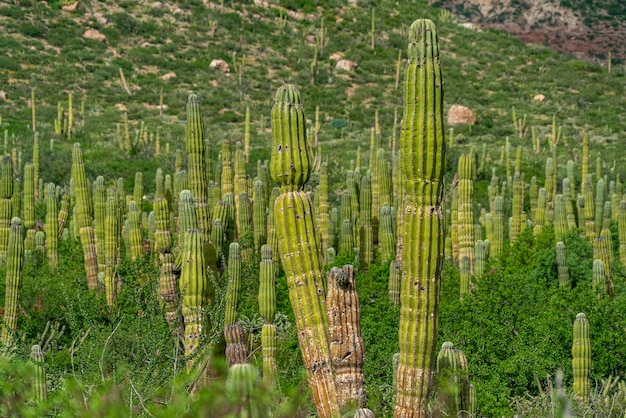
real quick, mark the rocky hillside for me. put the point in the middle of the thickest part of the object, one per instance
(588, 29)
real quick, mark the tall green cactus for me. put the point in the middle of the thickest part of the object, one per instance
(6, 206)
(581, 357)
(13, 282)
(366, 234)
(562, 270)
(599, 277)
(466, 213)
(40, 390)
(111, 248)
(83, 218)
(29, 196)
(540, 212)
(290, 168)
(395, 279)
(422, 152)
(267, 309)
(259, 215)
(168, 293)
(234, 284)
(134, 232)
(99, 208)
(51, 227)
(387, 234)
(517, 207)
(193, 288)
(346, 239)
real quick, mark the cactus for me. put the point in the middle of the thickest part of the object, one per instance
(449, 373)
(549, 183)
(168, 293)
(198, 183)
(226, 176)
(83, 217)
(236, 349)
(599, 277)
(52, 227)
(387, 235)
(581, 357)
(40, 390)
(454, 224)
(517, 208)
(29, 196)
(540, 212)
(267, 309)
(193, 287)
(423, 161)
(560, 218)
(260, 217)
(6, 206)
(589, 210)
(395, 278)
(344, 329)
(346, 239)
(563, 273)
(111, 247)
(14, 264)
(621, 226)
(240, 386)
(234, 284)
(599, 206)
(466, 215)
(244, 223)
(366, 234)
(481, 251)
(299, 248)
(465, 276)
(134, 232)
(601, 251)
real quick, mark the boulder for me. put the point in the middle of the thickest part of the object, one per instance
(220, 65)
(461, 115)
(346, 65)
(94, 34)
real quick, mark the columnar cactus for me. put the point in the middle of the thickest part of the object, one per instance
(343, 312)
(83, 218)
(599, 277)
(134, 232)
(466, 211)
(29, 196)
(244, 222)
(621, 227)
(465, 276)
(366, 233)
(387, 234)
(138, 189)
(196, 164)
(549, 182)
(14, 264)
(111, 247)
(517, 208)
(395, 278)
(99, 208)
(36, 158)
(454, 224)
(234, 284)
(267, 309)
(40, 390)
(533, 193)
(599, 206)
(569, 204)
(6, 206)
(193, 288)
(481, 257)
(449, 373)
(601, 251)
(260, 216)
(290, 168)
(563, 272)
(63, 213)
(540, 212)
(240, 385)
(560, 218)
(422, 152)
(168, 292)
(52, 227)
(227, 169)
(581, 357)
(589, 210)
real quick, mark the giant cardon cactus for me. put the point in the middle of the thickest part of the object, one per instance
(581, 357)
(14, 264)
(422, 152)
(299, 246)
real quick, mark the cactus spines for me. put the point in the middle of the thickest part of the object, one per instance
(259, 215)
(466, 215)
(540, 212)
(234, 284)
(386, 234)
(366, 233)
(298, 244)
(599, 277)
(40, 391)
(236, 349)
(134, 232)
(423, 164)
(344, 329)
(267, 309)
(193, 287)
(196, 163)
(29, 196)
(346, 239)
(395, 278)
(563, 272)
(52, 227)
(14, 264)
(581, 357)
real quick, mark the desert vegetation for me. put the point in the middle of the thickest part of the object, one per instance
(261, 209)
